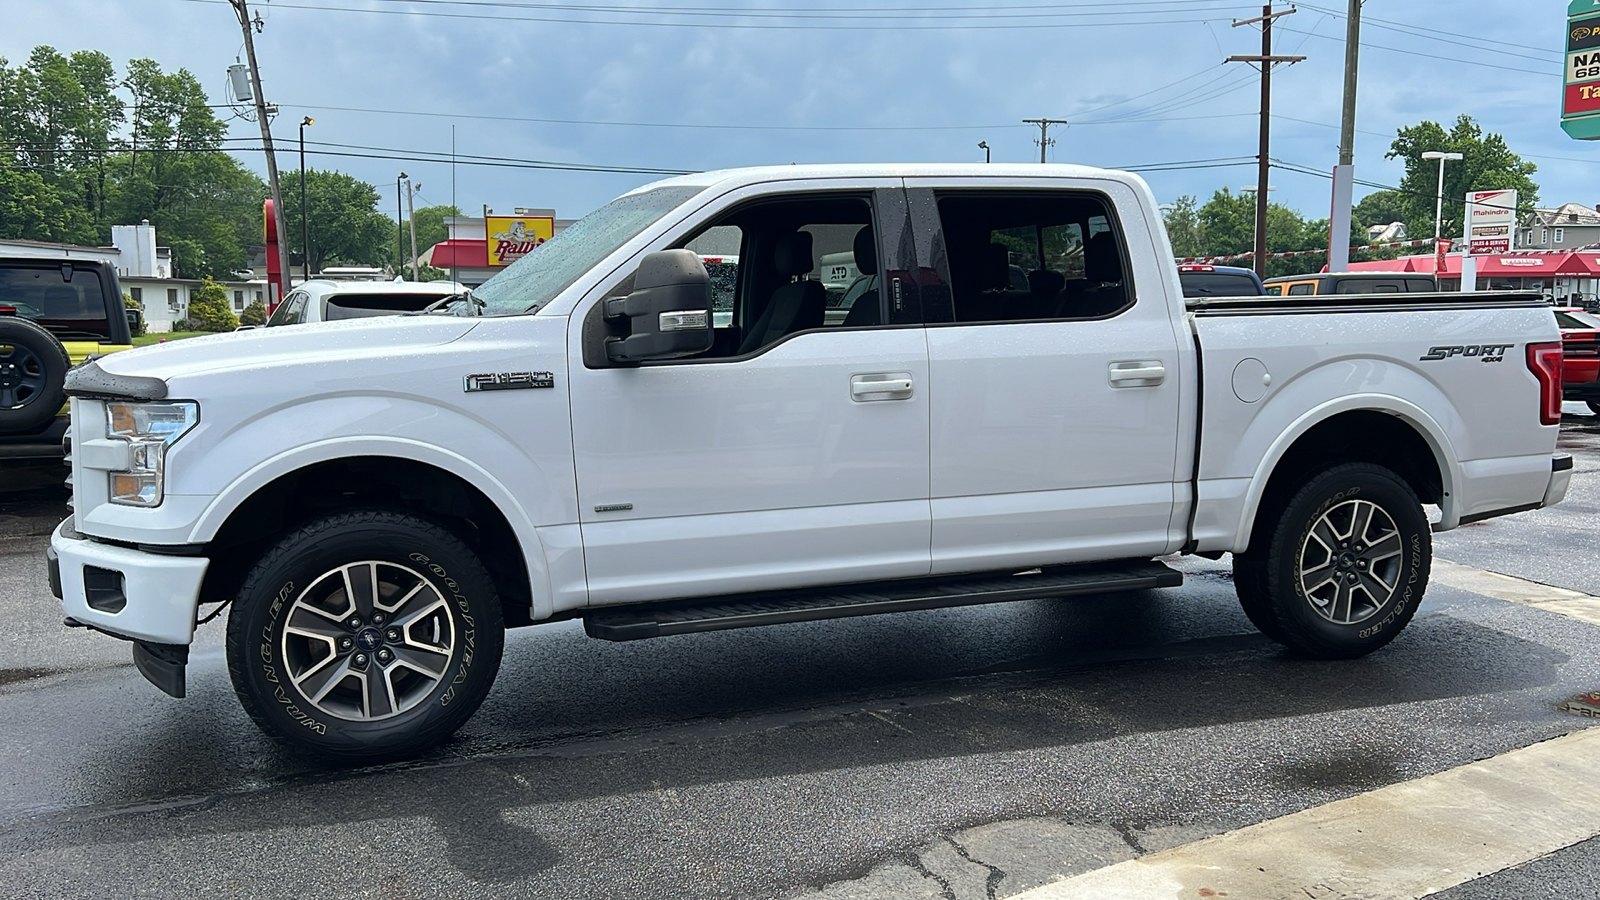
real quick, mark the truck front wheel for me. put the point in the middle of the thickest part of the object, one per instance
(365, 636)
(1343, 563)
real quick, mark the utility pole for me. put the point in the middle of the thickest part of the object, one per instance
(305, 219)
(1344, 174)
(399, 231)
(1267, 61)
(243, 12)
(1044, 141)
(411, 213)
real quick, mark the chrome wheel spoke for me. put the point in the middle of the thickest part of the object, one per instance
(323, 678)
(377, 694)
(1386, 547)
(310, 622)
(361, 584)
(420, 607)
(428, 661)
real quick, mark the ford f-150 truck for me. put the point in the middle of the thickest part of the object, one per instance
(580, 437)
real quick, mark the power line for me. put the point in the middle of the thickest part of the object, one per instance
(897, 24)
(605, 123)
(1422, 31)
(1454, 59)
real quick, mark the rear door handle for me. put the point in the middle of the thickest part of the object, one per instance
(1137, 373)
(881, 386)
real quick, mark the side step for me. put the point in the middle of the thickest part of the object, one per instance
(630, 623)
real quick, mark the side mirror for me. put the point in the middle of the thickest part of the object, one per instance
(667, 316)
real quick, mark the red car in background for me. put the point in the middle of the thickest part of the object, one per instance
(1580, 357)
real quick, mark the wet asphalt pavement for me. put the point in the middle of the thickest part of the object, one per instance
(768, 762)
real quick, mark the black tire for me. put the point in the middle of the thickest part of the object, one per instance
(1324, 585)
(1250, 584)
(376, 688)
(33, 372)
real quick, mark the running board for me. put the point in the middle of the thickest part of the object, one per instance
(631, 623)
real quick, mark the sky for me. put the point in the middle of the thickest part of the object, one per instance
(705, 84)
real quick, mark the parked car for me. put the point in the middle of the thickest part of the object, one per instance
(1352, 283)
(326, 300)
(54, 314)
(1219, 281)
(380, 501)
(1580, 365)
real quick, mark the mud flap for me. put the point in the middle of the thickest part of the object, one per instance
(162, 665)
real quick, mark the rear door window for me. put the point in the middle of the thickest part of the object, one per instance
(1302, 289)
(291, 311)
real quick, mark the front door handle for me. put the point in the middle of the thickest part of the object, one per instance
(1137, 373)
(881, 386)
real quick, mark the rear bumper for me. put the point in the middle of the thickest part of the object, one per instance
(1560, 477)
(125, 592)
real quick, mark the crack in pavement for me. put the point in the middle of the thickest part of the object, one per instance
(996, 874)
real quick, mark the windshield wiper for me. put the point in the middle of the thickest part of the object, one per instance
(445, 302)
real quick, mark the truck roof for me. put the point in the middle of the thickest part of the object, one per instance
(759, 174)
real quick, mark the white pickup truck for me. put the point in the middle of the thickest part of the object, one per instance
(1018, 403)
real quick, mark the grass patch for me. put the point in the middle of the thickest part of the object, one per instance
(156, 337)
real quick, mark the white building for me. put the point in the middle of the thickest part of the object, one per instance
(145, 271)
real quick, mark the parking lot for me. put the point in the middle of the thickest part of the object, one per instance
(973, 752)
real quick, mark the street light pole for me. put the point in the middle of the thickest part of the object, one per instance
(411, 214)
(399, 229)
(1438, 208)
(305, 218)
(984, 146)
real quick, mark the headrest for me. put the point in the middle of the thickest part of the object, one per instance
(793, 254)
(61, 300)
(997, 268)
(866, 250)
(1046, 282)
(1101, 262)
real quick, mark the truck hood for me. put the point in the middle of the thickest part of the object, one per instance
(291, 345)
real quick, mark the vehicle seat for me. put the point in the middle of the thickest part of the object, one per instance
(1044, 293)
(862, 297)
(1106, 293)
(795, 306)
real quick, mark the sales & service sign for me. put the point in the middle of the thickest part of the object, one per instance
(1580, 106)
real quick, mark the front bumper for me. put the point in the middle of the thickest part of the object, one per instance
(124, 592)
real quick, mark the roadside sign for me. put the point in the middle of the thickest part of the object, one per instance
(1491, 218)
(1580, 103)
(513, 237)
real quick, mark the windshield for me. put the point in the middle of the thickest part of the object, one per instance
(537, 278)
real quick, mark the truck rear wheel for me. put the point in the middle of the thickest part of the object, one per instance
(365, 636)
(1344, 563)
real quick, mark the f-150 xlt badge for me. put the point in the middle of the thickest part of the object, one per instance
(1489, 353)
(508, 381)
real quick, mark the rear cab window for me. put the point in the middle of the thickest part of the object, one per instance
(68, 301)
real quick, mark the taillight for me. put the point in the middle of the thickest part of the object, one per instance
(1544, 361)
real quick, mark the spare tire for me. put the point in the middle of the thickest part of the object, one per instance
(33, 368)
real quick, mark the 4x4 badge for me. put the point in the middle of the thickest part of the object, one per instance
(508, 381)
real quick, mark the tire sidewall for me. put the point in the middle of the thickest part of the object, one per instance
(43, 407)
(1308, 630)
(255, 631)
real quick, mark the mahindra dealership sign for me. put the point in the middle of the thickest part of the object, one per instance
(1491, 218)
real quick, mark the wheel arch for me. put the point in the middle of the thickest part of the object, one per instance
(1393, 433)
(280, 494)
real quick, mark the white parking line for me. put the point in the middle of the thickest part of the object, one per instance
(1406, 840)
(1575, 604)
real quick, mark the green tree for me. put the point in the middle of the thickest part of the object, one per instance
(254, 314)
(1183, 227)
(208, 308)
(1380, 208)
(1486, 164)
(345, 225)
(431, 228)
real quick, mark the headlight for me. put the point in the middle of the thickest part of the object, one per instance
(149, 429)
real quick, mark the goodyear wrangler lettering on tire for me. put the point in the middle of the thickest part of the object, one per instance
(382, 636)
(1345, 565)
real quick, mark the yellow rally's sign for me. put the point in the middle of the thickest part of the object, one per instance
(513, 237)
